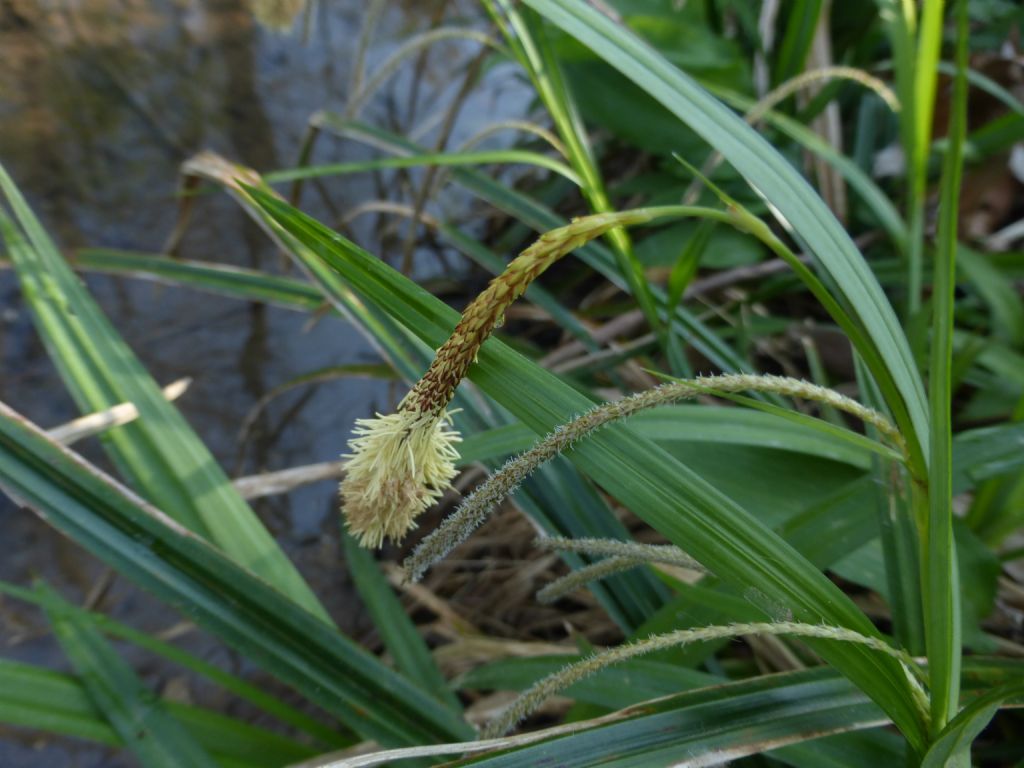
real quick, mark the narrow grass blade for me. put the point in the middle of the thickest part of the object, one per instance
(223, 279)
(929, 46)
(901, 23)
(998, 292)
(902, 557)
(952, 748)
(402, 640)
(688, 262)
(252, 285)
(869, 192)
(797, 38)
(503, 156)
(940, 580)
(145, 727)
(984, 453)
(162, 557)
(33, 697)
(987, 84)
(158, 453)
(941, 593)
(42, 700)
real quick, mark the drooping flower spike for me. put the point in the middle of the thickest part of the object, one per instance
(476, 507)
(403, 462)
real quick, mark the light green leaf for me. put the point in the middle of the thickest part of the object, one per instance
(434, 159)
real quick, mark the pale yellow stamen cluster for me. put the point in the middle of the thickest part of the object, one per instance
(400, 464)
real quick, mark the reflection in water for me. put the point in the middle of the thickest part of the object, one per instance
(279, 15)
(100, 101)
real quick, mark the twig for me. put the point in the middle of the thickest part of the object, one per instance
(285, 480)
(115, 416)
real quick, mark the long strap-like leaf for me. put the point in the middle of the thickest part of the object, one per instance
(791, 198)
(177, 566)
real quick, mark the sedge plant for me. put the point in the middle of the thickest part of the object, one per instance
(724, 567)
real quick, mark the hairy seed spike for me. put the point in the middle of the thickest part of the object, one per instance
(475, 508)
(530, 699)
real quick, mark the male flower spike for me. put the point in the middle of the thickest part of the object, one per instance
(402, 463)
(399, 465)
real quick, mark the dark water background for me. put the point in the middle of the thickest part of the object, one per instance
(100, 101)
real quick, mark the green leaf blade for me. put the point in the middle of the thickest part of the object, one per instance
(796, 204)
(144, 726)
(188, 573)
(159, 453)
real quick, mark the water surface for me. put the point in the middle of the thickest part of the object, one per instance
(100, 101)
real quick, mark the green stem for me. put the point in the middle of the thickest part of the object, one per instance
(940, 577)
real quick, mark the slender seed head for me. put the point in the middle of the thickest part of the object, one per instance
(400, 464)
